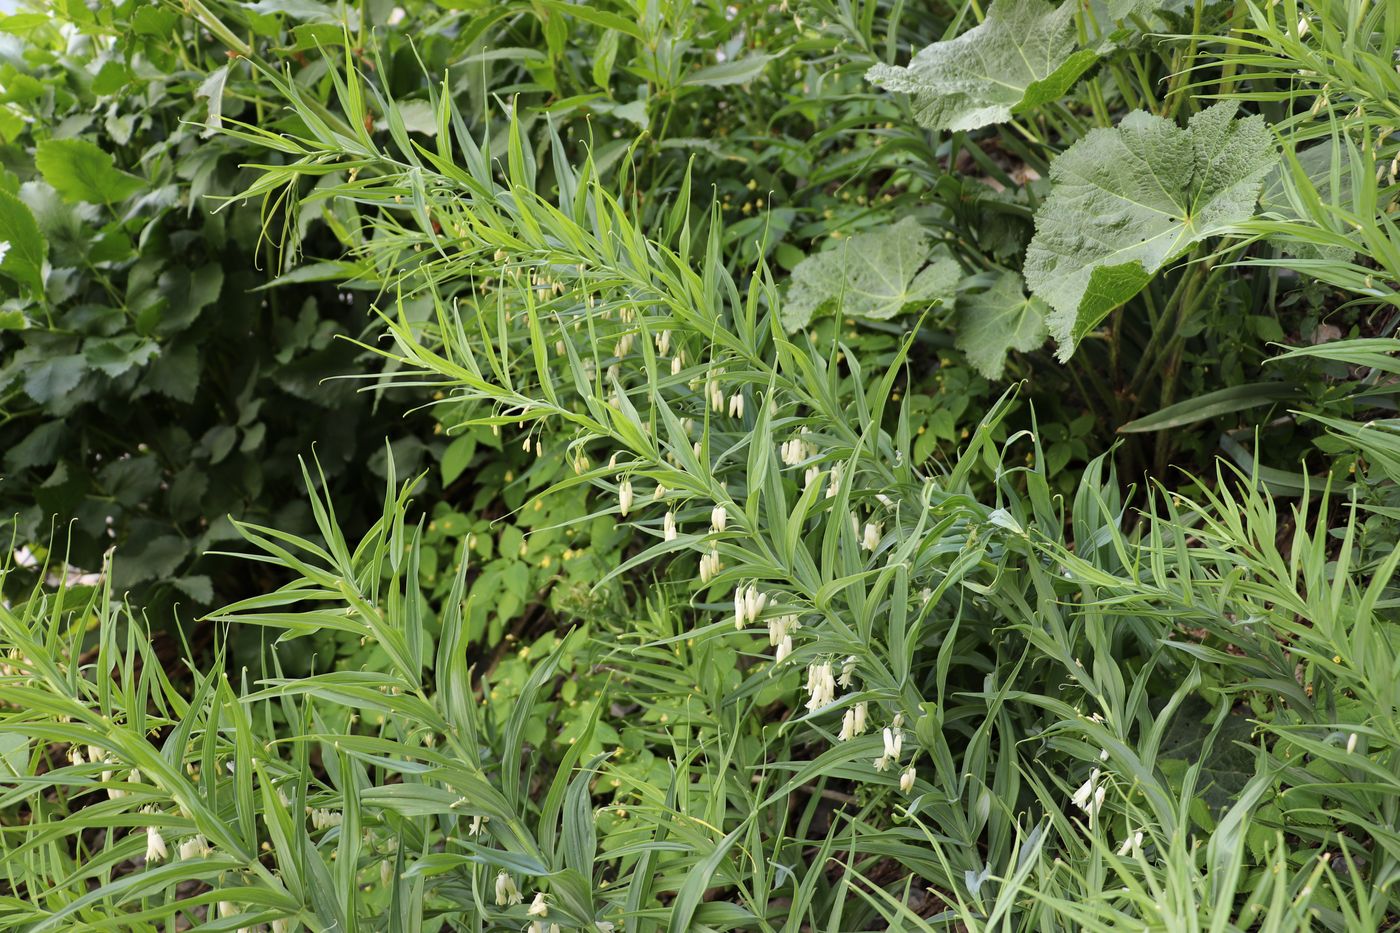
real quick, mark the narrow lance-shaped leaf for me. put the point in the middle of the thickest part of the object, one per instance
(872, 275)
(1002, 318)
(737, 71)
(212, 89)
(1023, 55)
(1126, 201)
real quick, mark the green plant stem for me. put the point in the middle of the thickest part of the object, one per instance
(1102, 391)
(1144, 80)
(1182, 66)
(1125, 86)
(1231, 66)
(1165, 328)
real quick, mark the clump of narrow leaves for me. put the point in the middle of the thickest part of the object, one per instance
(752, 588)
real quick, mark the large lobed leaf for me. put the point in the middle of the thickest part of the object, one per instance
(1023, 55)
(997, 320)
(872, 275)
(1126, 201)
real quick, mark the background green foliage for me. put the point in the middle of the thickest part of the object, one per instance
(665, 305)
(152, 383)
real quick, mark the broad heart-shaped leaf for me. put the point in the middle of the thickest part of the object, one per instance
(874, 275)
(1126, 201)
(23, 260)
(1020, 57)
(1002, 318)
(80, 171)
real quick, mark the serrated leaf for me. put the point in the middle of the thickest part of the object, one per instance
(174, 373)
(1023, 55)
(23, 261)
(1002, 318)
(113, 76)
(39, 447)
(22, 24)
(54, 377)
(115, 355)
(1126, 201)
(155, 560)
(872, 275)
(197, 587)
(80, 171)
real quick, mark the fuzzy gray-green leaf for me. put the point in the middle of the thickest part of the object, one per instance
(998, 320)
(1127, 201)
(1021, 56)
(871, 275)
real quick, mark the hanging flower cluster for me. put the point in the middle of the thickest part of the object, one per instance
(748, 603)
(780, 629)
